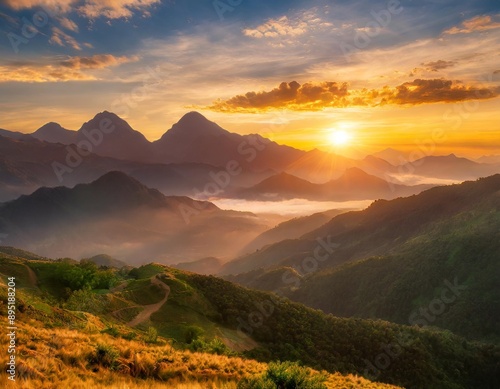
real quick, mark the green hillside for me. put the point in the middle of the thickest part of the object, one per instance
(195, 313)
(395, 260)
(463, 250)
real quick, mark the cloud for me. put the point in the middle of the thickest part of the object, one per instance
(99, 61)
(318, 96)
(71, 69)
(9, 19)
(292, 95)
(116, 9)
(60, 38)
(68, 24)
(435, 66)
(478, 23)
(274, 28)
(422, 91)
(293, 26)
(92, 9)
(59, 6)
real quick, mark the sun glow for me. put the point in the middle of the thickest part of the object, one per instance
(340, 135)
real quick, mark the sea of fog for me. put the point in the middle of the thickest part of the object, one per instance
(292, 208)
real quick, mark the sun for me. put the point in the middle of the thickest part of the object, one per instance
(339, 137)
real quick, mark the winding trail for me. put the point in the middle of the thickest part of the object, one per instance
(148, 310)
(32, 276)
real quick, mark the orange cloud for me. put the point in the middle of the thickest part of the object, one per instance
(288, 95)
(111, 9)
(318, 96)
(54, 5)
(60, 38)
(478, 23)
(435, 66)
(434, 91)
(72, 69)
(115, 9)
(68, 24)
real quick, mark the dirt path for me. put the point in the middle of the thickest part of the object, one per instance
(32, 276)
(152, 308)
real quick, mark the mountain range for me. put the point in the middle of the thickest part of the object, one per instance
(118, 215)
(353, 184)
(196, 153)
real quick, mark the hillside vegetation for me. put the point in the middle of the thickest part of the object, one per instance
(208, 315)
(60, 344)
(395, 260)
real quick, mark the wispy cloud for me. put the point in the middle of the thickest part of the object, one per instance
(115, 9)
(475, 24)
(58, 6)
(68, 24)
(92, 9)
(278, 27)
(71, 69)
(99, 61)
(60, 38)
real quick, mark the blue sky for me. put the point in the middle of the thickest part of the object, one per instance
(151, 61)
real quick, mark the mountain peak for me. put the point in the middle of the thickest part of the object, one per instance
(54, 133)
(50, 126)
(191, 126)
(107, 114)
(355, 172)
(193, 118)
(119, 123)
(118, 180)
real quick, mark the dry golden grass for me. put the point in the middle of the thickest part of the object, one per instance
(66, 357)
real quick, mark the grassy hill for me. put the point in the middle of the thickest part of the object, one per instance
(210, 330)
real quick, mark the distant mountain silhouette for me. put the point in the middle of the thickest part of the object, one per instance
(54, 133)
(207, 266)
(113, 192)
(393, 156)
(27, 165)
(14, 134)
(193, 139)
(118, 215)
(450, 167)
(376, 166)
(196, 139)
(319, 167)
(489, 159)
(108, 134)
(121, 141)
(353, 184)
(195, 150)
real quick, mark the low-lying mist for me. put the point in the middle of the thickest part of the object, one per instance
(288, 208)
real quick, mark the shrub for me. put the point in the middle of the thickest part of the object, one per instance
(152, 335)
(192, 333)
(104, 356)
(286, 375)
(113, 331)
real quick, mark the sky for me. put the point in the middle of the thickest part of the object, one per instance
(352, 77)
